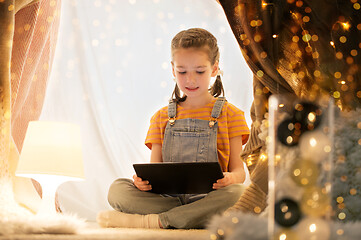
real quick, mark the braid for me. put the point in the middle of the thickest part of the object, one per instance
(217, 87)
(176, 95)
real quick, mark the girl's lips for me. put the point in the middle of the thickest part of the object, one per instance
(191, 89)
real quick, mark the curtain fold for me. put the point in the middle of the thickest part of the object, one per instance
(112, 72)
(36, 29)
(28, 37)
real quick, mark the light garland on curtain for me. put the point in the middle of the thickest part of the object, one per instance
(26, 27)
(313, 47)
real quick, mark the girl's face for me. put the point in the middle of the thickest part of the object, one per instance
(193, 71)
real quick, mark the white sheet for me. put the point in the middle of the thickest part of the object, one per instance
(112, 72)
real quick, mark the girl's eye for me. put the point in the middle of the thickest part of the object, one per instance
(200, 72)
(182, 72)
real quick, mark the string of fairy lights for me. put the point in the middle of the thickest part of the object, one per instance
(317, 176)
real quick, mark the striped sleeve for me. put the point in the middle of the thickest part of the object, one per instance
(237, 125)
(154, 135)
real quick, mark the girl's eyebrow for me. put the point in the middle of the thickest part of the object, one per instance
(195, 67)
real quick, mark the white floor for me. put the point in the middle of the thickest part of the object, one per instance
(93, 232)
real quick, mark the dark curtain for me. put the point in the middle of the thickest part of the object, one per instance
(307, 49)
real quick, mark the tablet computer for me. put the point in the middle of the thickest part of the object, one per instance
(180, 178)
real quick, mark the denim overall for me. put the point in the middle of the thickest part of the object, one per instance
(186, 140)
(191, 140)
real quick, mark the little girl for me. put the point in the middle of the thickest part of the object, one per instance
(207, 128)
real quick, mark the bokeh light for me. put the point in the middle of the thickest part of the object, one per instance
(304, 172)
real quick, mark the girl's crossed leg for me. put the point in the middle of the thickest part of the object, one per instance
(136, 208)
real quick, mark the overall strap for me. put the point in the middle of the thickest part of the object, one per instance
(216, 111)
(217, 108)
(172, 112)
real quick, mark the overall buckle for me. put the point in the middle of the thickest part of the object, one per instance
(212, 121)
(171, 121)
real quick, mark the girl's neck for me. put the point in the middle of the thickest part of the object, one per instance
(190, 103)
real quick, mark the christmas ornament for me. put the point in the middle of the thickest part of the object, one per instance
(313, 229)
(286, 234)
(287, 212)
(315, 145)
(288, 133)
(308, 115)
(315, 201)
(304, 172)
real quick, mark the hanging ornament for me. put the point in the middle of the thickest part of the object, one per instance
(313, 228)
(288, 133)
(308, 115)
(315, 145)
(304, 172)
(287, 212)
(315, 201)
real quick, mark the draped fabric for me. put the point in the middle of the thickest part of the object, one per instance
(112, 72)
(307, 49)
(36, 28)
(28, 37)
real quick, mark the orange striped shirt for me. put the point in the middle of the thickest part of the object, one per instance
(231, 123)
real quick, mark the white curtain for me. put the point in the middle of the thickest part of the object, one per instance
(112, 72)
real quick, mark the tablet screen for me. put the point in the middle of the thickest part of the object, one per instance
(180, 178)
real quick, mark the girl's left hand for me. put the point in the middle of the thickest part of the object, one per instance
(228, 179)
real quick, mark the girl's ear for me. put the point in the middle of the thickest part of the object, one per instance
(215, 69)
(173, 71)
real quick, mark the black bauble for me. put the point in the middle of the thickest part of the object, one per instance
(287, 212)
(289, 132)
(308, 115)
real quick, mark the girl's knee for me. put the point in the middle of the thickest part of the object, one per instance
(117, 193)
(234, 191)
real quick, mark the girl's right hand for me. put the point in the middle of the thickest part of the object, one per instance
(140, 184)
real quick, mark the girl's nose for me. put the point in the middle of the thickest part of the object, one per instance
(191, 78)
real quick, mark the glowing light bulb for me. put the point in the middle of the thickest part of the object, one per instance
(263, 157)
(313, 228)
(345, 25)
(286, 234)
(315, 145)
(313, 142)
(311, 117)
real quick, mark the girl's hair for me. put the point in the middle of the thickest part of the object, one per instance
(197, 38)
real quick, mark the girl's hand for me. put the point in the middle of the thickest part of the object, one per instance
(140, 184)
(228, 179)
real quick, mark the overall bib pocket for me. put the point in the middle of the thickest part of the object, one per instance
(183, 144)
